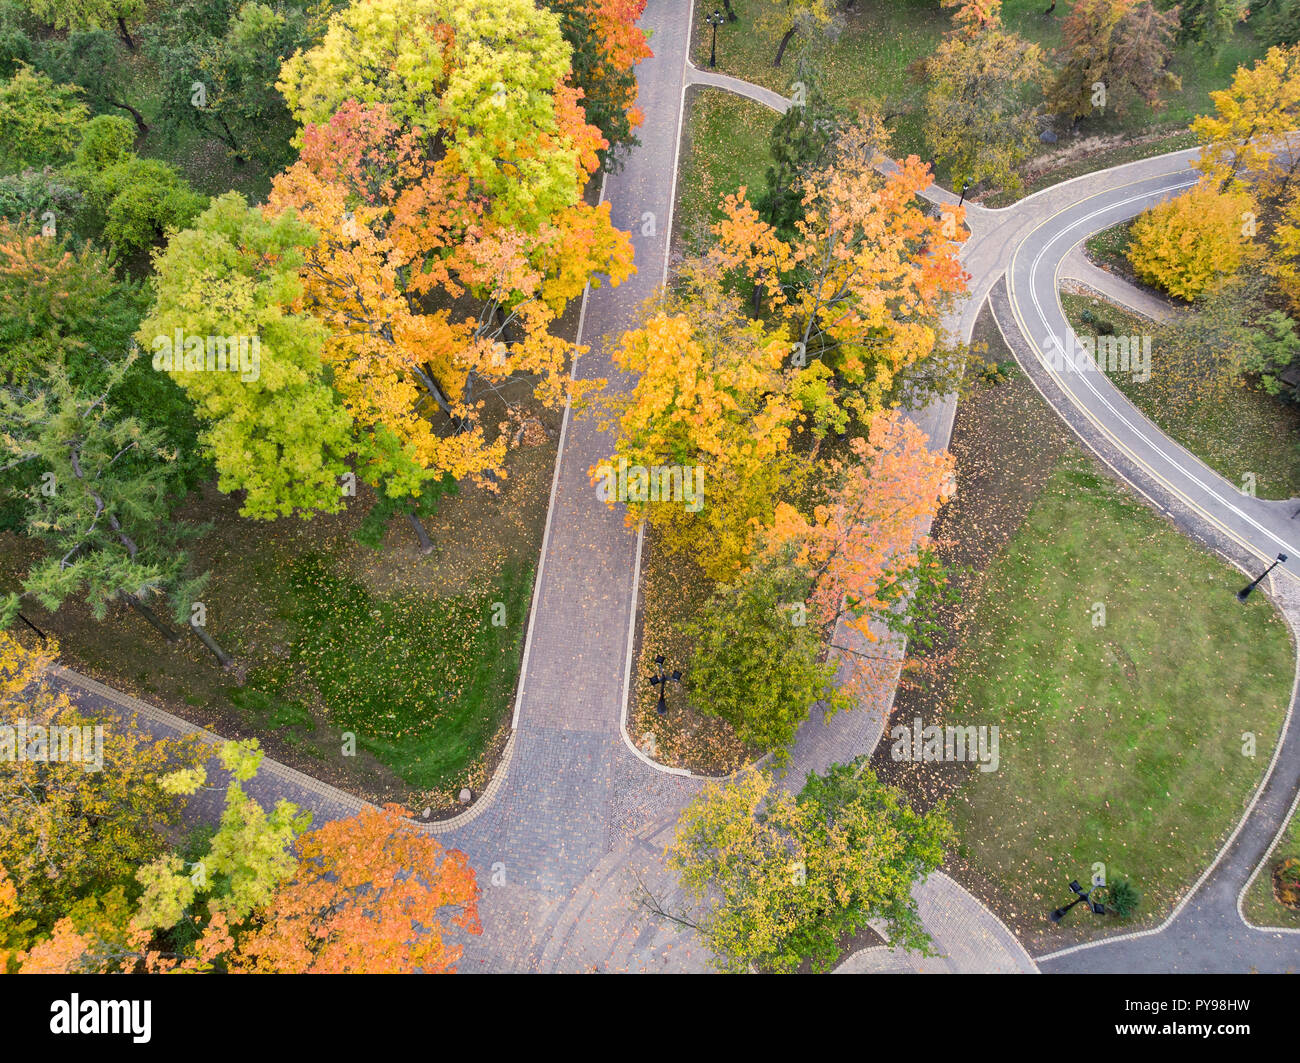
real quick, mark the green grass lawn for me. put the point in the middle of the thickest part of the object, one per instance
(870, 57)
(1245, 431)
(423, 682)
(726, 146)
(1121, 743)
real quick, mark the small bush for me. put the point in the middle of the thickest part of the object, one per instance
(1188, 244)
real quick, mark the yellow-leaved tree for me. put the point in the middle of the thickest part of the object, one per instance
(1188, 244)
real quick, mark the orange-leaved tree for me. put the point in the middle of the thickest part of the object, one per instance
(371, 895)
(862, 283)
(870, 536)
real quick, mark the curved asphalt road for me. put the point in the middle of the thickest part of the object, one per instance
(1206, 932)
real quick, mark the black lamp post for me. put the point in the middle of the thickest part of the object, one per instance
(965, 185)
(715, 20)
(1244, 593)
(1083, 895)
(661, 681)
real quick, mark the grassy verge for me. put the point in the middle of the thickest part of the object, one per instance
(1109, 248)
(1243, 432)
(1259, 904)
(725, 148)
(673, 591)
(1121, 741)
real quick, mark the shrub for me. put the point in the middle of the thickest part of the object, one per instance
(1188, 244)
(105, 140)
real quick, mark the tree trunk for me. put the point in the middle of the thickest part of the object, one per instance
(140, 123)
(785, 41)
(152, 617)
(231, 142)
(33, 627)
(126, 34)
(426, 544)
(223, 658)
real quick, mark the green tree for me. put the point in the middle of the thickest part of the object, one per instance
(15, 43)
(40, 122)
(282, 437)
(1208, 23)
(61, 304)
(247, 858)
(92, 60)
(803, 141)
(99, 497)
(88, 14)
(976, 120)
(141, 200)
(756, 659)
(793, 877)
(219, 63)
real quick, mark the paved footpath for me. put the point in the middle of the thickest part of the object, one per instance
(575, 821)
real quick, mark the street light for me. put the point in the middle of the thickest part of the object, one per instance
(964, 186)
(1244, 593)
(661, 681)
(715, 20)
(1083, 895)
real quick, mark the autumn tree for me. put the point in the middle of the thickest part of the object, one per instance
(75, 830)
(416, 352)
(756, 660)
(1246, 143)
(484, 85)
(868, 539)
(40, 122)
(371, 895)
(791, 878)
(283, 437)
(1187, 244)
(1116, 52)
(607, 45)
(861, 286)
(976, 120)
(712, 403)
